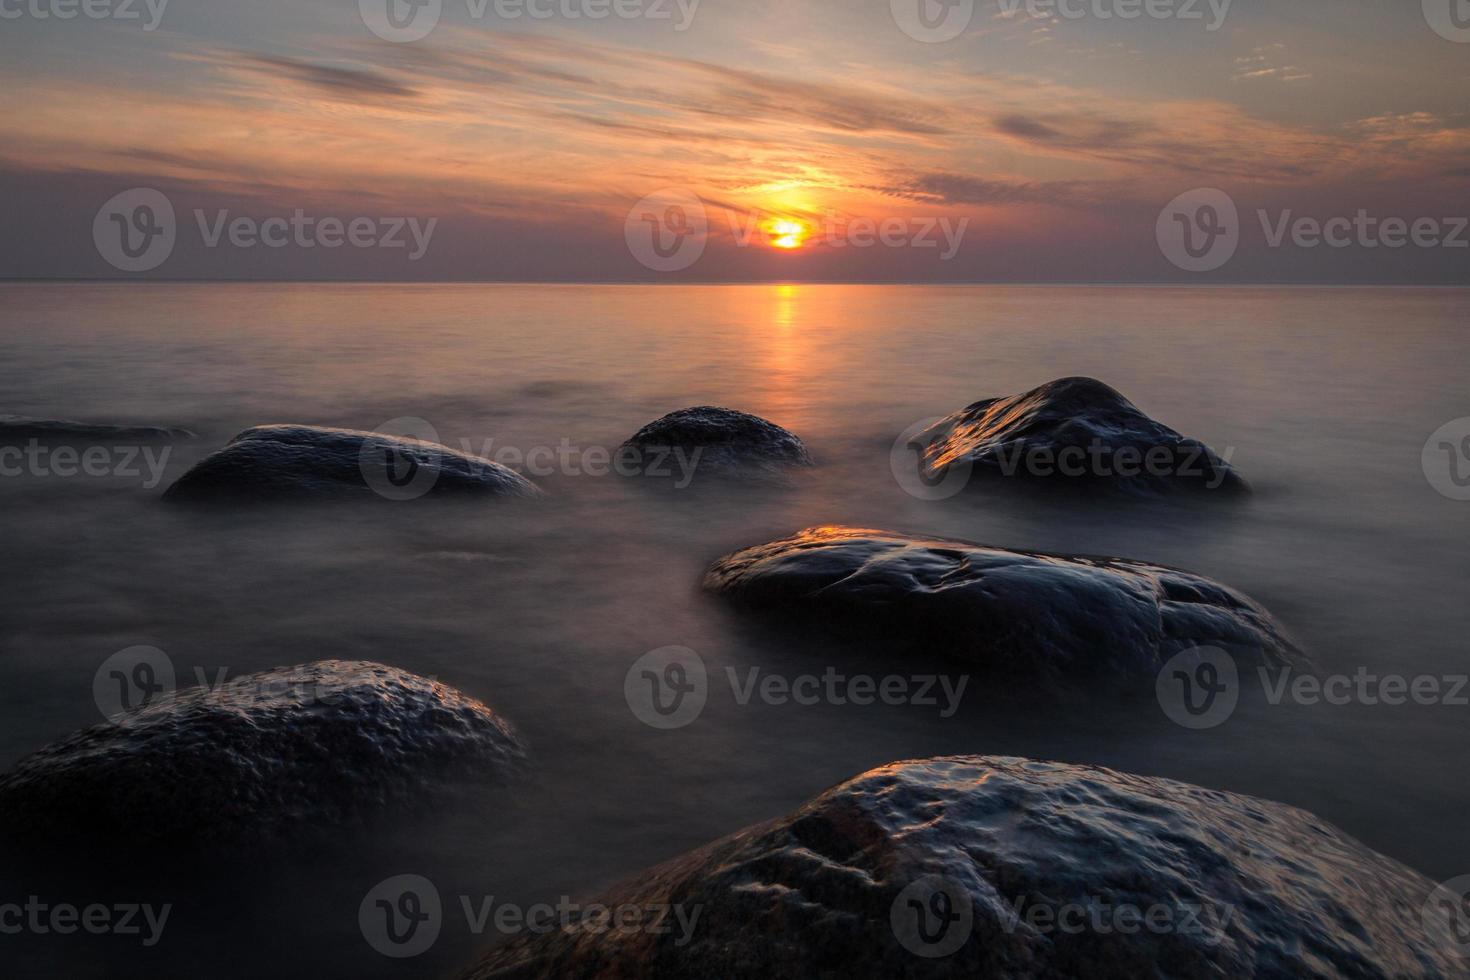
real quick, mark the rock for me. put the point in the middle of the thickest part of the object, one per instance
(303, 462)
(719, 442)
(1071, 432)
(20, 428)
(290, 752)
(1049, 617)
(1019, 869)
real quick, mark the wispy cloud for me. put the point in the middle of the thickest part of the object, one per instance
(557, 129)
(358, 83)
(1265, 63)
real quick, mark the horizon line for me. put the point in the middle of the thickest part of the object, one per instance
(1311, 284)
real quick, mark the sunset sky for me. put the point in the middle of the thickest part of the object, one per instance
(1056, 141)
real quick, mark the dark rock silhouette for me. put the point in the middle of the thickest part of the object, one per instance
(1071, 432)
(1050, 617)
(21, 428)
(990, 867)
(290, 752)
(728, 443)
(272, 462)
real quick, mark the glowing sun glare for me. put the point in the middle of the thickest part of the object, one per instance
(786, 233)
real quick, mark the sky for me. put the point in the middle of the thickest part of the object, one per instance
(714, 140)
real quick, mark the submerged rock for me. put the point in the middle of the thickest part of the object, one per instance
(989, 867)
(296, 751)
(21, 428)
(1075, 431)
(1036, 615)
(300, 461)
(718, 441)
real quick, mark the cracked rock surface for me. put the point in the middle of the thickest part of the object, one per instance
(1059, 432)
(729, 443)
(1046, 616)
(295, 750)
(971, 866)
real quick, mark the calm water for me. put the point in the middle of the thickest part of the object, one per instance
(1326, 396)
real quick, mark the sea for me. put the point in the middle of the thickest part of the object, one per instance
(1327, 400)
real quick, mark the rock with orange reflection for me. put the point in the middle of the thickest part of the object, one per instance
(1037, 616)
(989, 867)
(1074, 432)
(718, 442)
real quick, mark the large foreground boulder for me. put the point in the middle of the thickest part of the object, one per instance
(1052, 617)
(22, 428)
(982, 867)
(719, 442)
(296, 751)
(1070, 432)
(272, 462)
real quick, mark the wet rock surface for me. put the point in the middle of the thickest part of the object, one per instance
(1050, 617)
(728, 443)
(296, 751)
(984, 867)
(1071, 432)
(274, 462)
(22, 428)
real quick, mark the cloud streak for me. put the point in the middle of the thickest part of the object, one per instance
(561, 130)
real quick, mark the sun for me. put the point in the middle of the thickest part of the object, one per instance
(786, 233)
